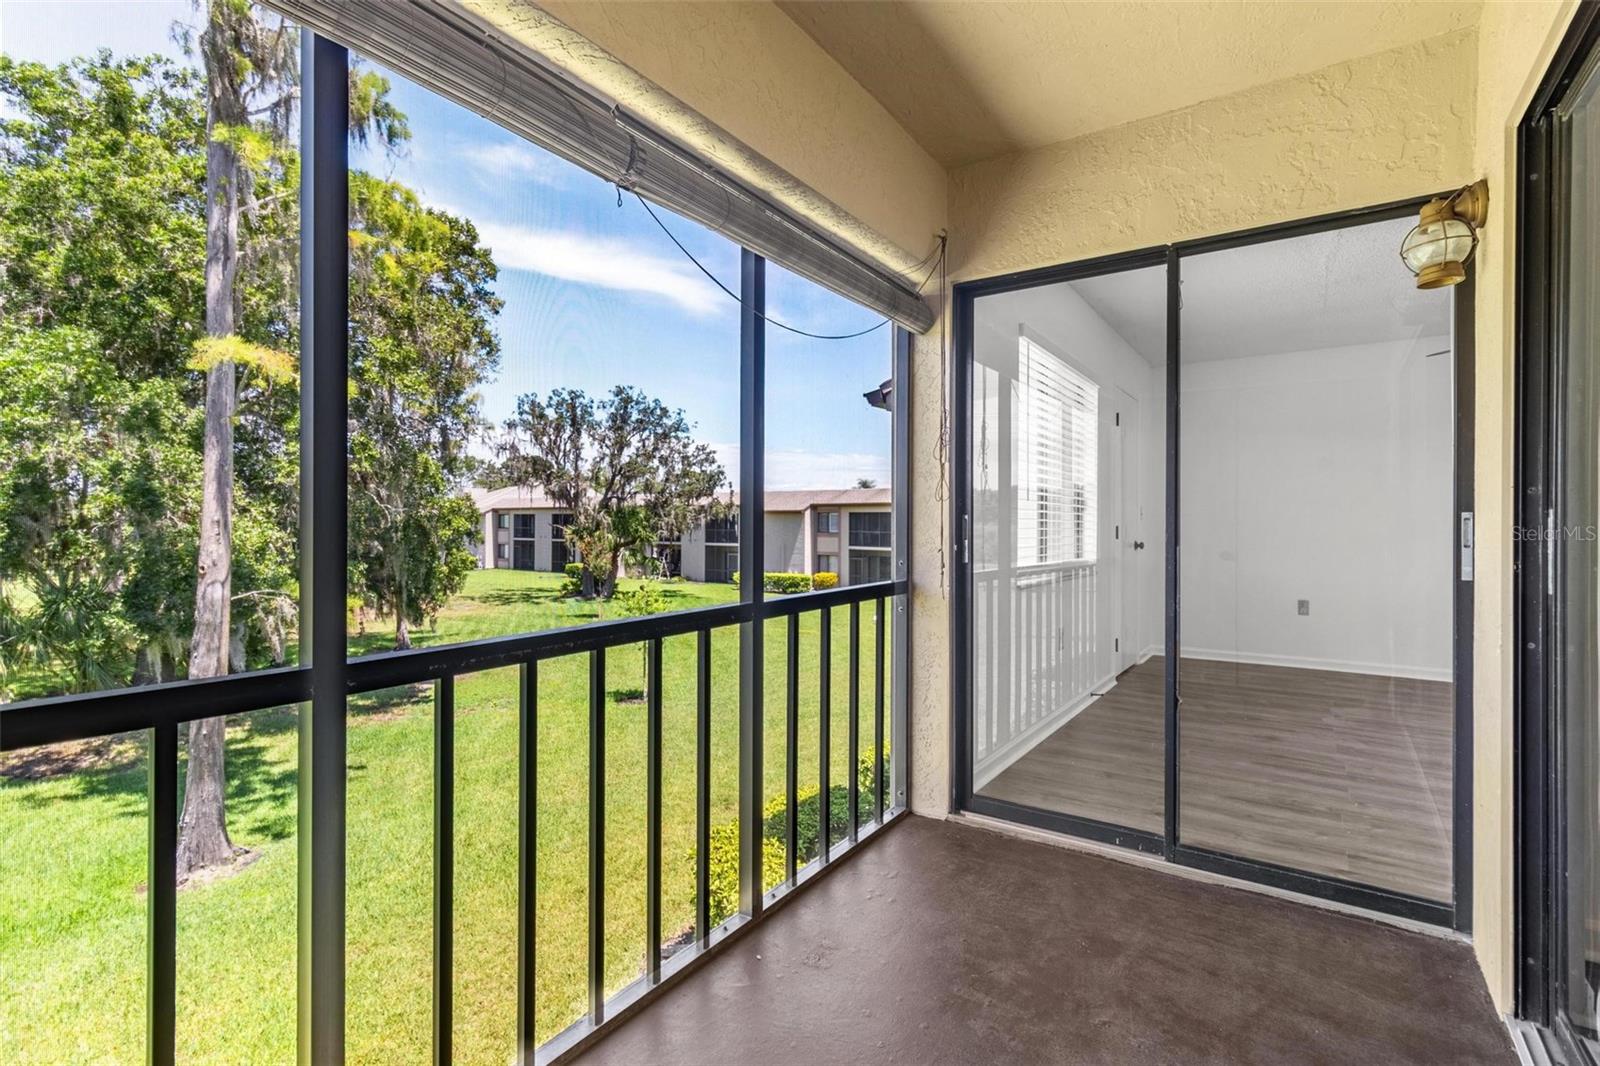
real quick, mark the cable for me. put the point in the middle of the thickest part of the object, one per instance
(942, 488)
(938, 250)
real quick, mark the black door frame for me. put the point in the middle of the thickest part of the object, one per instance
(1458, 913)
(1539, 760)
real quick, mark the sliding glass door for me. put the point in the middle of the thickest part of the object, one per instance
(1210, 587)
(1067, 475)
(1578, 677)
(1315, 689)
(1559, 553)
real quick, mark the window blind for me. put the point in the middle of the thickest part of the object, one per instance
(1057, 459)
(452, 52)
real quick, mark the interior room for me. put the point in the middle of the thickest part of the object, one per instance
(1316, 449)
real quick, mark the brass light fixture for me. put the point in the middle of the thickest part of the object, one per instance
(1445, 236)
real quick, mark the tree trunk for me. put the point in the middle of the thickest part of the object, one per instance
(402, 631)
(147, 667)
(202, 828)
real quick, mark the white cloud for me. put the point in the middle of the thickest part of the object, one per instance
(603, 261)
(810, 470)
(503, 159)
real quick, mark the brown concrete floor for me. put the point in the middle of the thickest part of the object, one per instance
(944, 943)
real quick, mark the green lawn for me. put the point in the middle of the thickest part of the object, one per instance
(72, 852)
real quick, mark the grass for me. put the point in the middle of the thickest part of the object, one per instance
(72, 852)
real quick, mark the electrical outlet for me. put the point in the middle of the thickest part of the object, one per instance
(1303, 606)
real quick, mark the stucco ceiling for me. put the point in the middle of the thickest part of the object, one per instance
(1342, 287)
(974, 80)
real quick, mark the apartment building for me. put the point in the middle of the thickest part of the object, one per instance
(840, 531)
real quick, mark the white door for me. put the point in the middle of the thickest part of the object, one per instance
(1111, 566)
(1128, 548)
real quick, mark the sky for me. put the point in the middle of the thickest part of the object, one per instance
(595, 294)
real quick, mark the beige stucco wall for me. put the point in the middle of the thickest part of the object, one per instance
(1368, 131)
(1515, 41)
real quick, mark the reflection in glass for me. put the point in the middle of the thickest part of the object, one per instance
(1068, 461)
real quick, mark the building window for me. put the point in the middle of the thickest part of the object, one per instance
(723, 530)
(827, 521)
(502, 520)
(868, 567)
(560, 554)
(523, 527)
(869, 529)
(1057, 452)
(522, 555)
(827, 564)
(502, 551)
(721, 564)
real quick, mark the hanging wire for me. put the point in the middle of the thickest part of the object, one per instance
(941, 488)
(937, 251)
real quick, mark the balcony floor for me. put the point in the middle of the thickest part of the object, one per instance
(947, 943)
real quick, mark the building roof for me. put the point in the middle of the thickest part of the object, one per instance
(800, 499)
(516, 498)
(511, 498)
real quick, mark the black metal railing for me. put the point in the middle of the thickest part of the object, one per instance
(161, 709)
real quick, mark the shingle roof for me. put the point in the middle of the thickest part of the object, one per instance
(781, 500)
(512, 498)
(800, 499)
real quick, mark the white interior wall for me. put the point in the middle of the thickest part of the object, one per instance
(1326, 476)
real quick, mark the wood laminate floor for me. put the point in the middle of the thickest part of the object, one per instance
(1340, 774)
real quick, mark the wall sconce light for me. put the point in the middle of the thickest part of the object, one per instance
(1445, 236)
(882, 396)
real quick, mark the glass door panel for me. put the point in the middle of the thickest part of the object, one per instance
(1068, 443)
(1577, 668)
(1316, 535)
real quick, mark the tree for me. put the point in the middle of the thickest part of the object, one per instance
(250, 77)
(252, 82)
(90, 152)
(421, 345)
(626, 466)
(641, 602)
(866, 483)
(91, 470)
(153, 469)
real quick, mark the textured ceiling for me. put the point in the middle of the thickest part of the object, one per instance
(1326, 290)
(974, 80)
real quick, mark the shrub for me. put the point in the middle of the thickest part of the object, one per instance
(573, 585)
(644, 599)
(786, 584)
(825, 579)
(724, 874)
(723, 886)
(782, 582)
